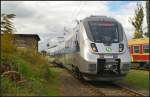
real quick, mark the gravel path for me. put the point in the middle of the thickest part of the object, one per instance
(70, 86)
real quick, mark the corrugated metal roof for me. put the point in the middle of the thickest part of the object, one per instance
(138, 41)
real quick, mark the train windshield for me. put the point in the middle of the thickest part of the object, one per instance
(104, 32)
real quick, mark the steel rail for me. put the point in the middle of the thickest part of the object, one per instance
(129, 91)
(93, 89)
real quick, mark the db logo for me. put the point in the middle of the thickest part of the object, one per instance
(108, 49)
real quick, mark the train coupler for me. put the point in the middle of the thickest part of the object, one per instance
(105, 66)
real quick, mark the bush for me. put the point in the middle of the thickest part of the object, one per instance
(8, 87)
(33, 67)
(7, 45)
(38, 62)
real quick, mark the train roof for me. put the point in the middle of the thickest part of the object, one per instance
(101, 18)
(138, 41)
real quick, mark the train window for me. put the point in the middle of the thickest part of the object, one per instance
(146, 48)
(136, 49)
(104, 32)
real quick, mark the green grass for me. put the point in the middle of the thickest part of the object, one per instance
(40, 79)
(138, 79)
(22, 66)
(54, 82)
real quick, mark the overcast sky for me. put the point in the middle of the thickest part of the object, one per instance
(48, 18)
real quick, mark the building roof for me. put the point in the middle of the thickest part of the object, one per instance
(27, 35)
(138, 41)
(32, 35)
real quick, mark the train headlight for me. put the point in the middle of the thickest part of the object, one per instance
(93, 46)
(121, 47)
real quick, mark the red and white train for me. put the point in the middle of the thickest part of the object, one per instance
(139, 51)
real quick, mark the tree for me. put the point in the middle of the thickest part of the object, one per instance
(6, 23)
(7, 37)
(137, 21)
(147, 16)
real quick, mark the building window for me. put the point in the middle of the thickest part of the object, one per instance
(146, 48)
(136, 49)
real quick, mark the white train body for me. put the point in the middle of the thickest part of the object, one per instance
(98, 49)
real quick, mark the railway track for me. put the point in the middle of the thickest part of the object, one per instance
(129, 91)
(144, 69)
(112, 89)
(94, 91)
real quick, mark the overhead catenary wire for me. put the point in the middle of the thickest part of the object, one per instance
(80, 10)
(75, 11)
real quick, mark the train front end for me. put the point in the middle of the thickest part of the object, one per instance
(104, 50)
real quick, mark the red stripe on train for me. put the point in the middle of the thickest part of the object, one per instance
(140, 57)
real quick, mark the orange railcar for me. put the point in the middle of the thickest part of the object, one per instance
(139, 50)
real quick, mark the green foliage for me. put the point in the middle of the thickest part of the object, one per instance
(54, 87)
(22, 66)
(7, 46)
(137, 35)
(137, 21)
(39, 79)
(6, 23)
(147, 34)
(7, 87)
(31, 65)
